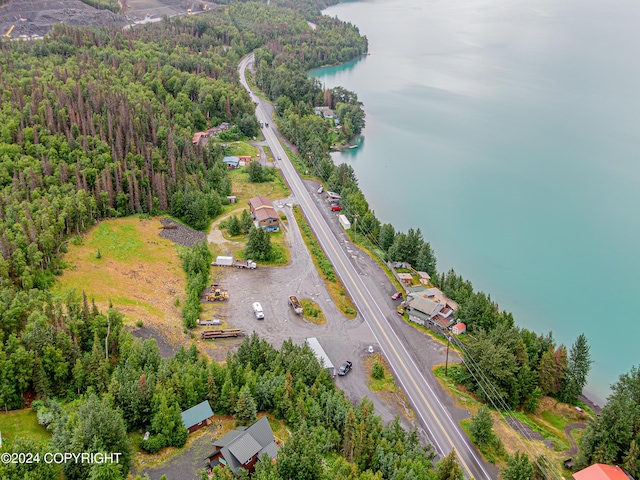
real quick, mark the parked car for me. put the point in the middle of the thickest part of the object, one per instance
(344, 368)
(396, 296)
(321, 189)
(257, 310)
(336, 208)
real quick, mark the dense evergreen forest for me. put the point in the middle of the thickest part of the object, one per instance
(97, 123)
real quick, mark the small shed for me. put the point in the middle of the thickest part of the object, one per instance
(197, 417)
(344, 221)
(459, 329)
(231, 198)
(425, 278)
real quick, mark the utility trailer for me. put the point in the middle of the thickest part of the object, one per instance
(224, 261)
(320, 354)
(222, 333)
(295, 304)
(209, 323)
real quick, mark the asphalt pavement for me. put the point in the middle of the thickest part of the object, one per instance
(419, 386)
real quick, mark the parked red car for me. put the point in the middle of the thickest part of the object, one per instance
(396, 296)
(336, 208)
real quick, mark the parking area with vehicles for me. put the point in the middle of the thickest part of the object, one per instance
(342, 339)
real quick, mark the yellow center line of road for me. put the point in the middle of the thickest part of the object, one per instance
(384, 333)
(305, 201)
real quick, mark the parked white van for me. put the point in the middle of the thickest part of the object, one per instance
(257, 310)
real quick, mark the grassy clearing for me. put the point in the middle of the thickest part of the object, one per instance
(280, 430)
(245, 190)
(512, 440)
(138, 271)
(312, 311)
(241, 149)
(332, 282)
(24, 424)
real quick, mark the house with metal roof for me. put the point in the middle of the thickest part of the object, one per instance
(197, 417)
(256, 203)
(268, 219)
(424, 308)
(232, 162)
(242, 447)
(600, 471)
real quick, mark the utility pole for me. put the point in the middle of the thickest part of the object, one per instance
(355, 226)
(447, 362)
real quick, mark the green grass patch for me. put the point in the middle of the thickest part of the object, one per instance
(240, 149)
(493, 452)
(560, 442)
(24, 424)
(279, 428)
(117, 241)
(244, 190)
(332, 282)
(312, 311)
(554, 419)
(383, 384)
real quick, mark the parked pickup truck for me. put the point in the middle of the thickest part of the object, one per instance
(208, 323)
(295, 304)
(223, 261)
(344, 368)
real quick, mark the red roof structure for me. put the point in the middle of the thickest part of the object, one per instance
(600, 471)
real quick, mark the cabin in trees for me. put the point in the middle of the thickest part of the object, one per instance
(200, 138)
(242, 447)
(197, 417)
(264, 214)
(600, 471)
(232, 163)
(325, 112)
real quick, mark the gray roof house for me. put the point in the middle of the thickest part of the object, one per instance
(242, 447)
(197, 417)
(422, 309)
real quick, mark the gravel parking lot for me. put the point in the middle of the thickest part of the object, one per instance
(341, 338)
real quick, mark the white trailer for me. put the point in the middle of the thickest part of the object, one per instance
(344, 221)
(320, 354)
(222, 261)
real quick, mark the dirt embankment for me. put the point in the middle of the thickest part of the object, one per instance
(35, 19)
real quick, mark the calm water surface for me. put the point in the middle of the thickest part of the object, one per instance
(509, 132)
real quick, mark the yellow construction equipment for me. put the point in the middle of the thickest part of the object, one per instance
(8, 34)
(217, 295)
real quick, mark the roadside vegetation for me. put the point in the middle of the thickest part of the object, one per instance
(499, 441)
(334, 285)
(312, 312)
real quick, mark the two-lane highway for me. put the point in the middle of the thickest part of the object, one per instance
(444, 432)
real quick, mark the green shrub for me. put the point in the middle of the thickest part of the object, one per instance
(377, 371)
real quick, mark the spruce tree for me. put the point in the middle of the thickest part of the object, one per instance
(245, 411)
(448, 468)
(519, 467)
(481, 427)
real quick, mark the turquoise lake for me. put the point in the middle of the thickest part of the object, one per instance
(509, 132)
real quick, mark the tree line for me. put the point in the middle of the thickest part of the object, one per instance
(139, 390)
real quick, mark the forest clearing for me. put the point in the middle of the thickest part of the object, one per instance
(139, 272)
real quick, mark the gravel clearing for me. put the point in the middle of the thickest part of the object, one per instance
(36, 18)
(181, 234)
